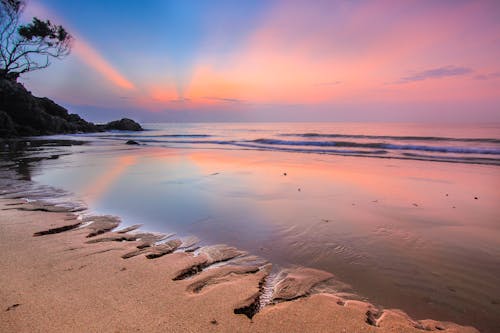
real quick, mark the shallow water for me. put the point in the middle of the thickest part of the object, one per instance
(416, 234)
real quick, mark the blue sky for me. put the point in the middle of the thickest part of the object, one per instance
(276, 60)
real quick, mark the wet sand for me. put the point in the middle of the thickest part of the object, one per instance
(59, 273)
(404, 234)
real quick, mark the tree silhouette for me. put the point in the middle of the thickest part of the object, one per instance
(25, 48)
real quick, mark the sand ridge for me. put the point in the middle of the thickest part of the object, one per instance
(58, 281)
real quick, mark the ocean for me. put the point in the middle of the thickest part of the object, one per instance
(431, 142)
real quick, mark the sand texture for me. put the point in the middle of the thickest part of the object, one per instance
(59, 273)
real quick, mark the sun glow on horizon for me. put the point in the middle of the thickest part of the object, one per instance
(418, 55)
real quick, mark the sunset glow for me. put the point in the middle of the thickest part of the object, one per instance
(382, 60)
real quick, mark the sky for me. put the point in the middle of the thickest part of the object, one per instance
(287, 60)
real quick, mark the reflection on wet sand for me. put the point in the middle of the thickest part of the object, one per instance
(405, 234)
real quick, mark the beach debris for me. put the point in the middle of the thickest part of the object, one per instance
(298, 189)
(214, 322)
(57, 230)
(12, 307)
(476, 198)
(414, 204)
(101, 224)
(214, 174)
(284, 173)
(131, 142)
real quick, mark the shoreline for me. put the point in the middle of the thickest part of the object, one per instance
(55, 282)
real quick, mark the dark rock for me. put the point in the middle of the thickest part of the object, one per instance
(123, 124)
(131, 142)
(24, 114)
(7, 126)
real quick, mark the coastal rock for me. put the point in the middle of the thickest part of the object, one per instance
(132, 142)
(298, 282)
(124, 124)
(7, 126)
(24, 114)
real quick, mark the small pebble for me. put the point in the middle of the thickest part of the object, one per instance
(284, 173)
(213, 322)
(476, 198)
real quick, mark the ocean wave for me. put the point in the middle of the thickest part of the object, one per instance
(120, 135)
(390, 137)
(381, 145)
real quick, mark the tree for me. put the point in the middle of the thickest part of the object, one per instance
(25, 48)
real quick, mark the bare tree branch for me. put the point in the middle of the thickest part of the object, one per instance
(29, 47)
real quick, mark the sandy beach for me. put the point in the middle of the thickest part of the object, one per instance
(59, 282)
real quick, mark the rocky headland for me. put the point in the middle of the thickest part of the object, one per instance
(22, 114)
